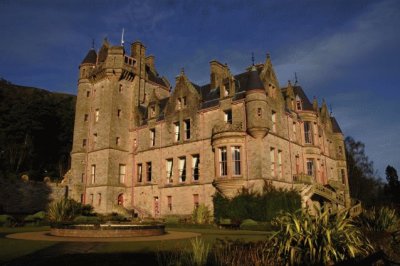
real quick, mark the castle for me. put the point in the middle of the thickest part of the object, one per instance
(140, 145)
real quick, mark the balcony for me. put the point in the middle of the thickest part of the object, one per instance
(227, 130)
(303, 179)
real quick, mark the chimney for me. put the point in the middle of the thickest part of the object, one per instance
(138, 51)
(150, 62)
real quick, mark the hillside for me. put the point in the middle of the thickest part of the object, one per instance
(35, 131)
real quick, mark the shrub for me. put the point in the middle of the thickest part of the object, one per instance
(7, 220)
(64, 210)
(86, 219)
(36, 218)
(201, 214)
(379, 220)
(321, 239)
(171, 220)
(260, 207)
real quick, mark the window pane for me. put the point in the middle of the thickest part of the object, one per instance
(223, 161)
(236, 160)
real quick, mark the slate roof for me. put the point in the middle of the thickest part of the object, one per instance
(90, 58)
(298, 90)
(335, 126)
(254, 81)
(153, 77)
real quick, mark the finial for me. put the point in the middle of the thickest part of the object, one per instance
(122, 37)
(289, 83)
(295, 78)
(330, 110)
(252, 58)
(268, 55)
(182, 71)
(93, 44)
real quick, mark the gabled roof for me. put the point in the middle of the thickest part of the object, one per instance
(335, 126)
(90, 58)
(298, 90)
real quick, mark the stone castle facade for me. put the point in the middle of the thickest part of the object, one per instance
(140, 145)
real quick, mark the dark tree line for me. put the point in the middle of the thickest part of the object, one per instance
(364, 182)
(36, 128)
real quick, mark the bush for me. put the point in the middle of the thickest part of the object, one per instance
(260, 207)
(86, 219)
(317, 240)
(169, 220)
(36, 218)
(201, 214)
(7, 220)
(379, 220)
(66, 210)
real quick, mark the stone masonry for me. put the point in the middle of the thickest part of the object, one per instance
(140, 145)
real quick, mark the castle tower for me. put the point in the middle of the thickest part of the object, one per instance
(256, 105)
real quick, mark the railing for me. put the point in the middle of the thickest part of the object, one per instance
(327, 193)
(226, 127)
(336, 184)
(303, 178)
(356, 209)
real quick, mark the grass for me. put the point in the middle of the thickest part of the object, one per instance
(13, 248)
(106, 253)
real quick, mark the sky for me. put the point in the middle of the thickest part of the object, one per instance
(346, 52)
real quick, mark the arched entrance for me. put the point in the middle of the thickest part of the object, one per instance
(120, 200)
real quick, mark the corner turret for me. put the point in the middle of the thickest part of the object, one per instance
(256, 105)
(88, 63)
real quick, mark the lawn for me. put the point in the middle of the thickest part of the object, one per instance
(109, 253)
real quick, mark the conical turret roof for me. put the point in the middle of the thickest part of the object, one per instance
(254, 82)
(90, 58)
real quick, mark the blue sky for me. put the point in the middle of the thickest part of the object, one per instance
(344, 51)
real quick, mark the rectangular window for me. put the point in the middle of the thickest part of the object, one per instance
(169, 202)
(280, 168)
(122, 169)
(178, 104)
(273, 118)
(148, 171)
(169, 166)
(310, 167)
(343, 176)
(187, 128)
(94, 139)
(273, 166)
(152, 137)
(236, 160)
(120, 89)
(99, 199)
(308, 132)
(195, 167)
(96, 115)
(84, 143)
(82, 199)
(177, 129)
(86, 118)
(196, 200)
(117, 141)
(228, 116)
(93, 173)
(182, 169)
(82, 177)
(223, 162)
(87, 93)
(294, 129)
(139, 173)
(119, 113)
(91, 199)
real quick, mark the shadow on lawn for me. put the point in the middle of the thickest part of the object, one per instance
(98, 259)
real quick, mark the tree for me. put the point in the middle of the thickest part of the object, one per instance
(363, 181)
(393, 185)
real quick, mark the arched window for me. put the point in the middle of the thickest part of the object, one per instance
(120, 200)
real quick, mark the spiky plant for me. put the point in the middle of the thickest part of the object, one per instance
(321, 239)
(63, 210)
(379, 219)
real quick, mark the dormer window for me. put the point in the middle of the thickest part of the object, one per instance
(152, 111)
(299, 103)
(225, 90)
(181, 103)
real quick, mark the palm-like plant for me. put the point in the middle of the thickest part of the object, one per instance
(321, 239)
(63, 210)
(379, 220)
